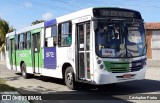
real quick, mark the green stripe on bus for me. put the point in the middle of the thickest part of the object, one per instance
(116, 66)
(36, 30)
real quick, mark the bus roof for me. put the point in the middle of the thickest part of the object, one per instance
(74, 15)
(40, 25)
(85, 12)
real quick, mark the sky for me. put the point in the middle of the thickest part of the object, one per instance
(21, 13)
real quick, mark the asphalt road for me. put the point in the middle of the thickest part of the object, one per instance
(109, 93)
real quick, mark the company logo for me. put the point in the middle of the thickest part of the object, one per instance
(83, 19)
(22, 55)
(125, 59)
(117, 65)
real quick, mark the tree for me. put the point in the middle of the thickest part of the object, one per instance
(4, 29)
(37, 22)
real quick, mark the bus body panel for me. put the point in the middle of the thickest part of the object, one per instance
(26, 55)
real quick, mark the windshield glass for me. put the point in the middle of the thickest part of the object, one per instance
(119, 39)
(135, 40)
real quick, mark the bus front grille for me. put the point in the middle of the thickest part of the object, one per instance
(122, 67)
(118, 70)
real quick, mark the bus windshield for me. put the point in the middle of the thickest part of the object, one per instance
(118, 38)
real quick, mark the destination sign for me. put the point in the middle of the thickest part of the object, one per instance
(116, 13)
(113, 12)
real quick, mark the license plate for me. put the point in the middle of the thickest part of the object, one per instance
(127, 76)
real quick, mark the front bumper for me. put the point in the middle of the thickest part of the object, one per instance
(104, 77)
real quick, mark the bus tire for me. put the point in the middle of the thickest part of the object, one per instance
(23, 71)
(70, 78)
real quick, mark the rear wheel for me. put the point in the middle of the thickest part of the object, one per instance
(70, 78)
(23, 71)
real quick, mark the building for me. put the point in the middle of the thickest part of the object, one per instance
(153, 43)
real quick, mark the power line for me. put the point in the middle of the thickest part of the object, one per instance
(137, 5)
(71, 4)
(50, 6)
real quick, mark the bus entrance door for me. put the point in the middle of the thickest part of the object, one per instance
(83, 50)
(12, 54)
(36, 52)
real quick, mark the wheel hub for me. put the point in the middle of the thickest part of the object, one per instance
(69, 78)
(23, 73)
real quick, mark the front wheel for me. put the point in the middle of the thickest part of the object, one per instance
(70, 78)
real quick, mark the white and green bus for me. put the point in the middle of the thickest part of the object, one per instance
(95, 45)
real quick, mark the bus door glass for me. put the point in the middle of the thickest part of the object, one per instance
(83, 50)
(36, 51)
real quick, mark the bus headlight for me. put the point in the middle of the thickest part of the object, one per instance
(99, 61)
(101, 66)
(97, 58)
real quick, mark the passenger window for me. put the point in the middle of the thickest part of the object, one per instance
(65, 35)
(28, 40)
(51, 36)
(16, 42)
(21, 42)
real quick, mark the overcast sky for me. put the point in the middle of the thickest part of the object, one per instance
(21, 13)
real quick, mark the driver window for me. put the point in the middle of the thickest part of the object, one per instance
(108, 39)
(134, 35)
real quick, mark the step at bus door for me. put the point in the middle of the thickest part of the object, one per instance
(83, 50)
(36, 52)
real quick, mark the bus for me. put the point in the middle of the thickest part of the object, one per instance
(98, 45)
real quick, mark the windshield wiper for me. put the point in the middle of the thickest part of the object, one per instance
(100, 18)
(117, 19)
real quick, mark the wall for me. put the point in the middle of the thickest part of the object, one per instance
(155, 44)
(153, 50)
(148, 40)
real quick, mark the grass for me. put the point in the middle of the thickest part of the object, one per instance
(4, 87)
